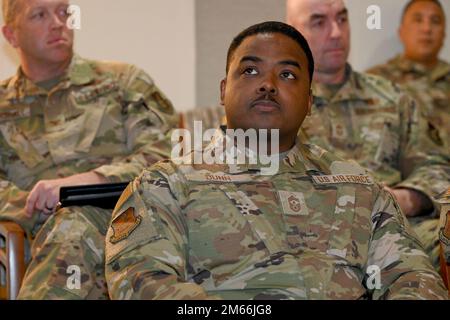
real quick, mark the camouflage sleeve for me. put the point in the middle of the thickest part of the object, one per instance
(149, 116)
(12, 203)
(406, 272)
(424, 168)
(146, 244)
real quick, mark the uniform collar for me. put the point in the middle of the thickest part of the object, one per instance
(298, 159)
(19, 87)
(352, 90)
(441, 70)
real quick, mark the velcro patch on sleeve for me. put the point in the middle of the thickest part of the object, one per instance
(133, 224)
(124, 225)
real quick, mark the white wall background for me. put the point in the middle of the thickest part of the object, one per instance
(156, 35)
(217, 23)
(182, 43)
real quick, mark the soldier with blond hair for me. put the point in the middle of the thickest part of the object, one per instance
(68, 121)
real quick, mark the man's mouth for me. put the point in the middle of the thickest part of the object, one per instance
(59, 40)
(425, 41)
(265, 105)
(335, 50)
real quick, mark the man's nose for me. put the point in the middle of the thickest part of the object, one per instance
(426, 26)
(268, 85)
(336, 31)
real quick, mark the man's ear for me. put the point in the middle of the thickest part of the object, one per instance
(223, 87)
(9, 34)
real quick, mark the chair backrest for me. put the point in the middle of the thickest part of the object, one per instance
(12, 260)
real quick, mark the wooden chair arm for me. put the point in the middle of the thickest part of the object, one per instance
(12, 258)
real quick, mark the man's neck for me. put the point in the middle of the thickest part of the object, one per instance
(280, 144)
(330, 78)
(427, 63)
(39, 72)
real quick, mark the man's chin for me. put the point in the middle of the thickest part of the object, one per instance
(332, 66)
(60, 55)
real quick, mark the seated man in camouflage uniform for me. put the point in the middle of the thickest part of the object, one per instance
(313, 229)
(367, 119)
(67, 121)
(419, 69)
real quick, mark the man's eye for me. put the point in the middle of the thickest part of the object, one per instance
(436, 21)
(288, 75)
(318, 23)
(342, 20)
(38, 15)
(64, 13)
(251, 71)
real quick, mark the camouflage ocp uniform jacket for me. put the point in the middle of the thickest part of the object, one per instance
(430, 88)
(103, 116)
(310, 231)
(371, 122)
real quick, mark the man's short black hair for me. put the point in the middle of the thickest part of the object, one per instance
(273, 27)
(411, 2)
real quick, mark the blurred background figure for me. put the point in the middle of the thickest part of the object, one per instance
(69, 121)
(366, 118)
(419, 69)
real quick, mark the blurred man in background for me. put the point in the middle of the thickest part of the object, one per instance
(67, 121)
(419, 69)
(366, 118)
